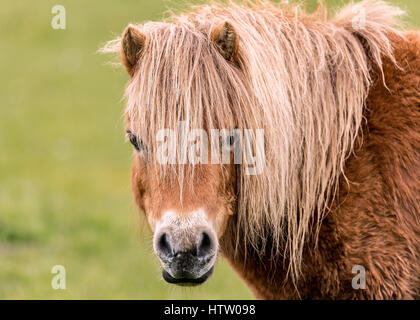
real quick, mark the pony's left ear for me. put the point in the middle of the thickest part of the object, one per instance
(132, 44)
(226, 39)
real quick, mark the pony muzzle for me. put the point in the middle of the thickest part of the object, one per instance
(187, 252)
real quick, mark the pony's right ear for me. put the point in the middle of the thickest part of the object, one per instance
(132, 44)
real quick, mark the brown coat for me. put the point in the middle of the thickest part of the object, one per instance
(375, 222)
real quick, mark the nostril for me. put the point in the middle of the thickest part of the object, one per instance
(164, 246)
(205, 245)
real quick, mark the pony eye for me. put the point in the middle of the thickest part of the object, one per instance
(230, 140)
(137, 143)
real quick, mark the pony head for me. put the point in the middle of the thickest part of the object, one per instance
(176, 100)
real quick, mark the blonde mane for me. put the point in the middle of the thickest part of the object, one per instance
(303, 78)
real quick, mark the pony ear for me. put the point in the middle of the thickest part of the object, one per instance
(132, 44)
(226, 39)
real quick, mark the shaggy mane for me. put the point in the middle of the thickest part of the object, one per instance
(301, 77)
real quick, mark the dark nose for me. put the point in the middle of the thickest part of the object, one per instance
(168, 249)
(164, 248)
(205, 246)
(187, 257)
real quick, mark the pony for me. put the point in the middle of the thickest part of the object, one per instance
(335, 211)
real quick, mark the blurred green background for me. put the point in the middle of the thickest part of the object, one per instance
(65, 195)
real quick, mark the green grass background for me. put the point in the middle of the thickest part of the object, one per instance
(65, 197)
